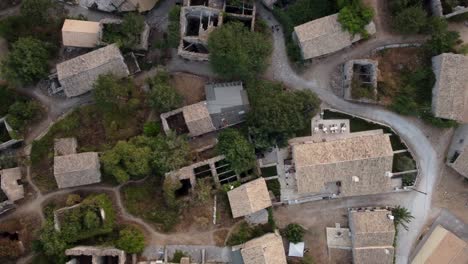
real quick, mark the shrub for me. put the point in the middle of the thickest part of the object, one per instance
(27, 61)
(173, 36)
(237, 150)
(178, 255)
(73, 199)
(294, 233)
(21, 113)
(354, 17)
(151, 129)
(163, 97)
(131, 240)
(114, 95)
(127, 34)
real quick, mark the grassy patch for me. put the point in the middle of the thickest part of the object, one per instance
(146, 200)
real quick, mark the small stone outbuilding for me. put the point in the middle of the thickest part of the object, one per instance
(97, 254)
(81, 34)
(267, 249)
(249, 198)
(73, 169)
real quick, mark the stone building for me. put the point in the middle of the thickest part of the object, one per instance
(370, 236)
(267, 249)
(82, 34)
(354, 164)
(249, 198)
(95, 255)
(442, 247)
(199, 18)
(324, 36)
(226, 105)
(73, 169)
(11, 189)
(450, 92)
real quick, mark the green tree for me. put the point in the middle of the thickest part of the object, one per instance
(163, 97)
(277, 115)
(113, 94)
(131, 240)
(168, 152)
(21, 113)
(294, 233)
(354, 16)
(411, 20)
(151, 129)
(238, 53)
(27, 61)
(402, 216)
(442, 41)
(237, 150)
(35, 10)
(126, 160)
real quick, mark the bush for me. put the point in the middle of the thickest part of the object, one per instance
(274, 186)
(294, 233)
(21, 113)
(238, 151)
(36, 10)
(114, 95)
(244, 233)
(238, 53)
(73, 199)
(151, 129)
(27, 61)
(354, 17)
(127, 34)
(163, 97)
(131, 240)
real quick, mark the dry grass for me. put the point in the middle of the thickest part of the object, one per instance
(191, 87)
(392, 64)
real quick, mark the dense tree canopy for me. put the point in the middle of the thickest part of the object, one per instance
(27, 61)
(238, 53)
(163, 97)
(127, 34)
(237, 150)
(125, 161)
(294, 233)
(278, 115)
(21, 113)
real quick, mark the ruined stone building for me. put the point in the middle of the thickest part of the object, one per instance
(198, 18)
(11, 189)
(450, 92)
(95, 255)
(226, 105)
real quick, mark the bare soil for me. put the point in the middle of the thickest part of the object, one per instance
(315, 237)
(392, 64)
(191, 87)
(452, 193)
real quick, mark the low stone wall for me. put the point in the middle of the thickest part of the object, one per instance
(437, 10)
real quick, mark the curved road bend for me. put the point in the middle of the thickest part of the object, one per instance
(430, 165)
